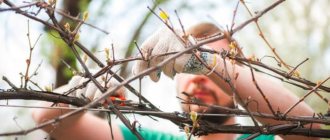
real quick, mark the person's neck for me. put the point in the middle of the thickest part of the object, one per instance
(220, 136)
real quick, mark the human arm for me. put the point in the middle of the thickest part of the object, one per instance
(82, 126)
(280, 98)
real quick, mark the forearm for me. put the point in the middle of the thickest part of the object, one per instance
(82, 126)
(41, 115)
(280, 98)
(246, 89)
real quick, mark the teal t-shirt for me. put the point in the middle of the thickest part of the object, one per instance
(261, 137)
(149, 134)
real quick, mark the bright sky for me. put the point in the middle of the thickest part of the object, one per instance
(120, 20)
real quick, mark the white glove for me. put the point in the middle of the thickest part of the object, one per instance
(164, 41)
(91, 92)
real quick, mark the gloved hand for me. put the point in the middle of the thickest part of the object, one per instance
(164, 41)
(91, 92)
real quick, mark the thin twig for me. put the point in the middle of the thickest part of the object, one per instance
(263, 36)
(137, 46)
(9, 83)
(234, 16)
(28, 61)
(79, 20)
(296, 67)
(303, 98)
(260, 91)
(18, 7)
(90, 54)
(257, 16)
(280, 72)
(238, 95)
(181, 25)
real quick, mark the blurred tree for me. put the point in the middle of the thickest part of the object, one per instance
(60, 51)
